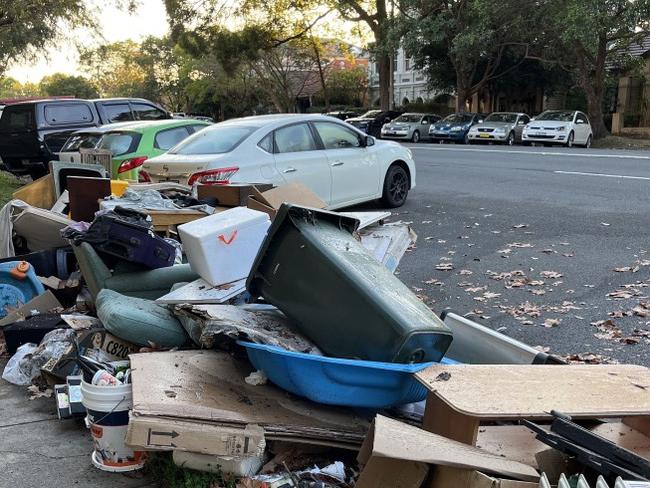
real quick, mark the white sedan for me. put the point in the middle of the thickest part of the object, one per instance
(341, 164)
(567, 127)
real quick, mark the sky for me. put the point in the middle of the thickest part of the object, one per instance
(116, 25)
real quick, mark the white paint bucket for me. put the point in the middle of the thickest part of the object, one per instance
(108, 419)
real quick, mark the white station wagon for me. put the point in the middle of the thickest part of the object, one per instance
(341, 164)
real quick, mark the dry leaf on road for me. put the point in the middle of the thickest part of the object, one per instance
(550, 274)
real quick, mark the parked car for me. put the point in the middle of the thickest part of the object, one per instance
(343, 114)
(409, 126)
(567, 127)
(455, 127)
(340, 163)
(133, 144)
(87, 138)
(372, 121)
(31, 133)
(503, 127)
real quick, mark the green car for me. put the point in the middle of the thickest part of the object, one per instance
(133, 144)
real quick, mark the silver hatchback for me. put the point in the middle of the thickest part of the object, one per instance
(410, 127)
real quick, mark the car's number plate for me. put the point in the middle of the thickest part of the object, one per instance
(484, 135)
(539, 134)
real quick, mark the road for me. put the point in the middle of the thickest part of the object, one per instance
(562, 219)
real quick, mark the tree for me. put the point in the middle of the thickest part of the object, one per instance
(589, 37)
(12, 88)
(61, 84)
(348, 86)
(114, 69)
(27, 27)
(464, 42)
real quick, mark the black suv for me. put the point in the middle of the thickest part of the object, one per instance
(32, 133)
(372, 121)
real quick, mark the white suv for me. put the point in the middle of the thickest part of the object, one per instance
(566, 127)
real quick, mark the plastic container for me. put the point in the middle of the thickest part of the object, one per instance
(108, 419)
(335, 381)
(313, 269)
(18, 285)
(118, 187)
(221, 248)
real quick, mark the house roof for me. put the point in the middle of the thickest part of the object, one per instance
(640, 47)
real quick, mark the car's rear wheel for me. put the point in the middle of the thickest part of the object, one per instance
(416, 136)
(396, 186)
(466, 139)
(511, 139)
(569, 141)
(588, 143)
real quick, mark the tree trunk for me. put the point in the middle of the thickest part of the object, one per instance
(383, 60)
(593, 84)
(595, 112)
(462, 94)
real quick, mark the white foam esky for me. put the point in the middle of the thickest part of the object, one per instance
(148, 19)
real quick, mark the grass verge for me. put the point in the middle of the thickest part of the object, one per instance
(161, 467)
(617, 142)
(8, 185)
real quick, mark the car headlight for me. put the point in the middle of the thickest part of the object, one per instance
(500, 130)
(561, 129)
(457, 127)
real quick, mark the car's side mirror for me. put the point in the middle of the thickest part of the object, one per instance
(532, 118)
(425, 122)
(369, 141)
(521, 122)
(480, 121)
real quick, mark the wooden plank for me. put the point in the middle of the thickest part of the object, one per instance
(532, 391)
(39, 193)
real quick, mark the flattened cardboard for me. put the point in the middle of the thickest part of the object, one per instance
(270, 201)
(164, 434)
(233, 195)
(392, 439)
(39, 193)
(208, 388)
(446, 477)
(42, 304)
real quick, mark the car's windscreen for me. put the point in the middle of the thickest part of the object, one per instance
(215, 140)
(560, 116)
(119, 143)
(458, 118)
(371, 114)
(507, 118)
(410, 118)
(85, 141)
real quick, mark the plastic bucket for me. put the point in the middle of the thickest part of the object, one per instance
(108, 419)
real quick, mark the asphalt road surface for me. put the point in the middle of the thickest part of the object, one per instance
(533, 237)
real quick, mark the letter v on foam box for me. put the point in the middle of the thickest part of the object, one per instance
(221, 248)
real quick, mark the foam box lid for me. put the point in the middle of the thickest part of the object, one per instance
(238, 217)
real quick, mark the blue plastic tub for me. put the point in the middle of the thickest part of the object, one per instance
(334, 381)
(18, 285)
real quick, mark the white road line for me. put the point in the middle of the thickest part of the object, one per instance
(603, 175)
(533, 153)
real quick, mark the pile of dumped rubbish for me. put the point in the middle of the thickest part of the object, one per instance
(250, 332)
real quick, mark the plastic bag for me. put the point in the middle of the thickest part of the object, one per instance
(18, 371)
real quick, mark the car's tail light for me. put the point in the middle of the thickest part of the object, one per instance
(143, 177)
(129, 164)
(219, 176)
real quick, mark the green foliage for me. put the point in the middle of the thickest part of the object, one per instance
(60, 84)
(28, 27)
(12, 88)
(168, 475)
(348, 87)
(8, 185)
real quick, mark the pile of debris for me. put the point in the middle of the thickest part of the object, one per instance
(265, 338)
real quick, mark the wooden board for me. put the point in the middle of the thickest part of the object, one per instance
(39, 193)
(532, 391)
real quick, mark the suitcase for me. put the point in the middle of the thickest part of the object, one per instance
(130, 241)
(312, 268)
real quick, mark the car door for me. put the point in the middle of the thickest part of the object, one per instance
(425, 123)
(582, 128)
(355, 170)
(522, 120)
(298, 158)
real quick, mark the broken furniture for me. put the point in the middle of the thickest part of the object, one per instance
(61, 170)
(128, 279)
(334, 381)
(198, 401)
(39, 229)
(462, 396)
(221, 248)
(39, 193)
(84, 194)
(140, 321)
(396, 454)
(313, 269)
(476, 344)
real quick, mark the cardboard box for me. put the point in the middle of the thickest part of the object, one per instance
(269, 201)
(39, 193)
(232, 195)
(163, 434)
(446, 477)
(394, 452)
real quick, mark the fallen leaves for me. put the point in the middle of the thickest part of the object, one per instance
(520, 245)
(589, 358)
(621, 294)
(465, 272)
(444, 267)
(625, 269)
(548, 323)
(550, 274)
(520, 226)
